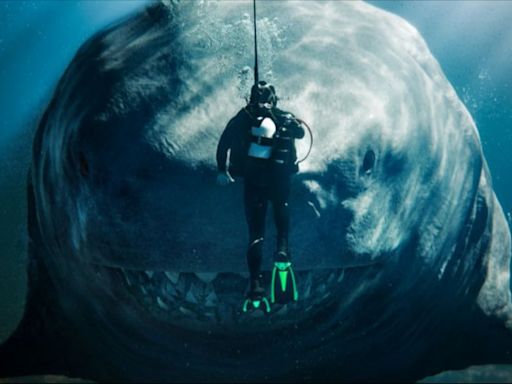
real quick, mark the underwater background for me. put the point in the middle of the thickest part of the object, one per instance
(472, 40)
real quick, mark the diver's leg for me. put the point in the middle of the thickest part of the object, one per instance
(255, 212)
(283, 288)
(280, 203)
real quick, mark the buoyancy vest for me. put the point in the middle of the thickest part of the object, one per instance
(259, 139)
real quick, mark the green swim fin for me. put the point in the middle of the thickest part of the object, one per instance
(256, 301)
(254, 304)
(283, 288)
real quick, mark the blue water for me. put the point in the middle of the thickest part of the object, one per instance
(472, 40)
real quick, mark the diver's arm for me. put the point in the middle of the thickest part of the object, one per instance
(225, 142)
(291, 125)
(222, 152)
(296, 129)
(224, 145)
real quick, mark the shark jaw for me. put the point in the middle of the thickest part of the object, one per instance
(210, 301)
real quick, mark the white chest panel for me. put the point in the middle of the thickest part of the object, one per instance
(266, 130)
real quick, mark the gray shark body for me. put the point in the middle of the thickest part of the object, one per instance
(137, 259)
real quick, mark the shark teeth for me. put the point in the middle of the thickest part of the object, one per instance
(211, 299)
(127, 278)
(308, 285)
(149, 274)
(172, 276)
(206, 277)
(186, 311)
(216, 298)
(161, 303)
(191, 298)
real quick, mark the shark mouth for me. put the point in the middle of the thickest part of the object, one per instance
(214, 301)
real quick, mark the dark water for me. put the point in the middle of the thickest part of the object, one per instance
(471, 40)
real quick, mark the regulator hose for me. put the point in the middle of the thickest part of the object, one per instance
(310, 144)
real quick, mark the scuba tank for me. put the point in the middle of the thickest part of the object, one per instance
(281, 152)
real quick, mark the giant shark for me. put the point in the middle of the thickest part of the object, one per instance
(137, 258)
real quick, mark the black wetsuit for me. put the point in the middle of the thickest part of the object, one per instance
(264, 179)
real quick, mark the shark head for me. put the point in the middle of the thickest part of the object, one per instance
(393, 215)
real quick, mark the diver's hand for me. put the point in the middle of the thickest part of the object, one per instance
(224, 178)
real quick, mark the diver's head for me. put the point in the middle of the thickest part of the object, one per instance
(263, 95)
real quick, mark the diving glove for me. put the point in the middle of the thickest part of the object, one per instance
(224, 178)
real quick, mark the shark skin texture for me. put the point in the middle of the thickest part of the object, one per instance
(137, 259)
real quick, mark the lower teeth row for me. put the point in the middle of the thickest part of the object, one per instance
(213, 294)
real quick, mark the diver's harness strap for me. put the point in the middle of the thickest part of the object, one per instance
(262, 140)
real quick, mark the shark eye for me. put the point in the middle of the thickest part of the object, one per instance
(368, 161)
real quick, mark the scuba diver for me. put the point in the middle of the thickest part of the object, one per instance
(260, 140)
